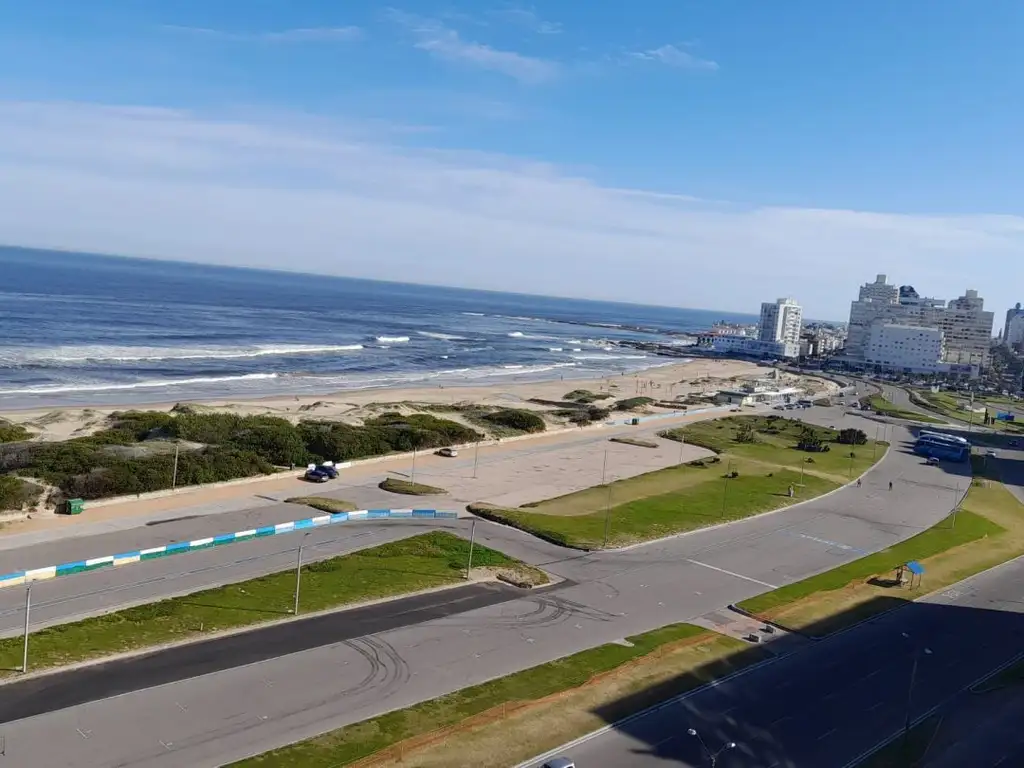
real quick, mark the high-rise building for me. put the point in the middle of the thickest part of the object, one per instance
(1011, 315)
(781, 321)
(965, 325)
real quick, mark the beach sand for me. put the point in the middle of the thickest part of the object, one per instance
(662, 383)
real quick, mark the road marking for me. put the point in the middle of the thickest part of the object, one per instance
(827, 733)
(875, 706)
(732, 573)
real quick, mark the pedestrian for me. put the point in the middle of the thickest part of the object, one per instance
(858, 482)
(890, 485)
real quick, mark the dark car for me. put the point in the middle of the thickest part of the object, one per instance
(316, 475)
(329, 469)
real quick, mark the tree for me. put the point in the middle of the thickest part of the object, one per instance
(852, 436)
(745, 433)
(810, 441)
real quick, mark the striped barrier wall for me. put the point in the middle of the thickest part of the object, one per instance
(177, 548)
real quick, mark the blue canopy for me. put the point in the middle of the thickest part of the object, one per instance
(915, 567)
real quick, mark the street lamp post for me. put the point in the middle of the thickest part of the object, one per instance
(28, 611)
(918, 652)
(712, 756)
(607, 517)
(298, 572)
(412, 477)
(725, 487)
(476, 458)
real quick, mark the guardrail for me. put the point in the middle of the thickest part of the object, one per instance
(177, 548)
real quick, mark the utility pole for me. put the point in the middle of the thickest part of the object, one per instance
(956, 504)
(298, 573)
(412, 477)
(801, 474)
(472, 541)
(604, 466)
(682, 444)
(849, 473)
(28, 612)
(607, 517)
(874, 448)
(476, 458)
(725, 487)
(174, 476)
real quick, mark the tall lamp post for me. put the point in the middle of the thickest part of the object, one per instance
(712, 756)
(298, 571)
(919, 651)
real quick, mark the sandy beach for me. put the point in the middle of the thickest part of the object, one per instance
(664, 383)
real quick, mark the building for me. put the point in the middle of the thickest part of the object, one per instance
(758, 393)
(747, 346)
(965, 325)
(781, 321)
(906, 348)
(1013, 337)
(1011, 315)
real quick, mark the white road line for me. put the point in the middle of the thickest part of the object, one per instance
(732, 573)
(828, 733)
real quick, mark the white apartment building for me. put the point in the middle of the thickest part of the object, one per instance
(1014, 334)
(781, 321)
(906, 348)
(966, 326)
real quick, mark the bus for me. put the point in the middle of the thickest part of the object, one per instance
(942, 449)
(943, 436)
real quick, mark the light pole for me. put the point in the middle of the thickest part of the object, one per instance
(607, 517)
(28, 611)
(712, 756)
(412, 477)
(874, 448)
(604, 466)
(174, 474)
(298, 571)
(476, 458)
(849, 473)
(956, 504)
(472, 541)
(725, 487)
(682, 445)
(918, 651)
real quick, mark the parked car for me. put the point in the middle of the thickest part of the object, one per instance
(559, 762)
(931, 461)
(449, 452)
(991, 453)
(329, 469)
(315, 474)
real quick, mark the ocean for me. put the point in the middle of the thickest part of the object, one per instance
(81, 329)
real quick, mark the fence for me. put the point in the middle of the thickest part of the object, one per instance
(127, 558)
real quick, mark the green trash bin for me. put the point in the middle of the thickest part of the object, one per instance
(74, 506)
(634, 422)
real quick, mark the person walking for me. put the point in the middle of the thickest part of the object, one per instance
(858, 482)
(890, 485)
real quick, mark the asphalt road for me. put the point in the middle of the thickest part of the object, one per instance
(824, 705)
(215, 718)
(355, 628)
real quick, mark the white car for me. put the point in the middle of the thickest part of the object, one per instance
(449, 452)
(991, 453)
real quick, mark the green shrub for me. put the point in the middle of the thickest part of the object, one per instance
(631, 403)
(12, 433)
(518, 419)
(16, 493)
(585, 396)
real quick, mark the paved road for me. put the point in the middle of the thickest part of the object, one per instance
(214, 718)
(825, 705)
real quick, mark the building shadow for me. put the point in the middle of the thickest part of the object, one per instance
(821, 705)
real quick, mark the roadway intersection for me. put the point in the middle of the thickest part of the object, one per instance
(214, 718)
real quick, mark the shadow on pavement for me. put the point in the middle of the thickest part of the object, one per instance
(819, 706)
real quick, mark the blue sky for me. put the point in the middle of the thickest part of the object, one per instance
(740, 150)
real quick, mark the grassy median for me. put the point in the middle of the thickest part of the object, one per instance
(755, 466)
(887, 408)
(988, 529)
(509, 719)
(430, 560)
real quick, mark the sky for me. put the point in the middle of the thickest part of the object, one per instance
(696, 153)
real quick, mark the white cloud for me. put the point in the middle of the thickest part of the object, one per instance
(671, 56)
(310, 194)
(527, 17)
(445, 43)
(300, 35)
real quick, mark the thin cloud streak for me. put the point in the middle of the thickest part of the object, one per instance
(445, 43)
(173, 184)
(300, 35)
(671, 56)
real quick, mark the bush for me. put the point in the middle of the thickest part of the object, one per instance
(585, 396)
(589, 415)
(518, 419)
(16, 493)
(409, 488)
(631, 403)
(12, 433)
(852, 436)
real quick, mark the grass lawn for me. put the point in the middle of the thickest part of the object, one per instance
(988, 530)
(432, 559)
(409, 488)
(699, 494)
(887, 408)
(323, 503)
(507, 720)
